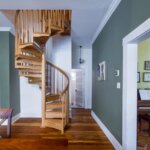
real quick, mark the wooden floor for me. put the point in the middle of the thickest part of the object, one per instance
(82, 133)
(143, 136)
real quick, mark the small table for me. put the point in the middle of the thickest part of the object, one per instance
(6, 113)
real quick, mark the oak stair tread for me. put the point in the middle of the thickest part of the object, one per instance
(29, 62)
(27, 67)
(53, 123)
(30, 75)
(41, 38)
(26, 57)
(53, 105)
(31, 46)
(54, 114)
(35, 70)
(51, 97)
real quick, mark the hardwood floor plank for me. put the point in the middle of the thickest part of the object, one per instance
(82, 132)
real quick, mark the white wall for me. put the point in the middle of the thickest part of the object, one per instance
(49, 49)
(86, 54)
(61, 53)
(30, 99)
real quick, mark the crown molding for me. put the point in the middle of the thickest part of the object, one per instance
(9, 29)
(111, 9)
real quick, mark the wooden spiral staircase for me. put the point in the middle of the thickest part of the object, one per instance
(33, 29)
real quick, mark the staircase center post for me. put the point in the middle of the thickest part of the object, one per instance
(43, 86)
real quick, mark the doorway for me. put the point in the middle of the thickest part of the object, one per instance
(130, 48)
(77, 90)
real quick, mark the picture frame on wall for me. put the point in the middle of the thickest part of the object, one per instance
(101, 71)
(138, 77)
(146, 77)
(147, 65)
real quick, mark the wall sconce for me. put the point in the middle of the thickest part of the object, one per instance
(81, 61)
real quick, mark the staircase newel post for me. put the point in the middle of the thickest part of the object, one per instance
(43, 87)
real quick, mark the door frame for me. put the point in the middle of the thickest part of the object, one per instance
(129, 96)
(83, 88)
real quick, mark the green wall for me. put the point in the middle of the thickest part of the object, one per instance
(4, 69)
(143, 55)
(106, 98)
(9, 79)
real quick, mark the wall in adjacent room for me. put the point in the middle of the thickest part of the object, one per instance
(143, 55)
(106, 98)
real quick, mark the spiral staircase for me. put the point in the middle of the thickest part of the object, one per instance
(33, 29)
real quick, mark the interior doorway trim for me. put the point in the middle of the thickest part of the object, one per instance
(130, 49)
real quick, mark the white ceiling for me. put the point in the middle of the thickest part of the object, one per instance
(87, 15)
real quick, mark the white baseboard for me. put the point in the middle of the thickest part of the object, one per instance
(109, 135)
(30, 115)
(14, 119)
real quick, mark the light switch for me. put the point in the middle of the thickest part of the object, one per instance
(118, 85)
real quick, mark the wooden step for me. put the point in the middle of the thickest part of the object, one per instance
(20, 56)
(35, 81)
(30, 75)
(51, 97)
(31, 52)
(36, 71)
(54, 123)
(53, 105)
(41, 38)
(28, 64)
(31, 46)
(27, 67)
(56, 30)
(54, 114)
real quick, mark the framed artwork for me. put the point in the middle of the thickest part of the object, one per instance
(138, 77)
(146, 77)
(147, 65)
(102, 71)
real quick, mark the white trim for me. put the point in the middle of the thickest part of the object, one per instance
(9, 29)
(109, 135)
(111, 9)
(30, 115)
(137, 33)
(129, 96)
(14, 119)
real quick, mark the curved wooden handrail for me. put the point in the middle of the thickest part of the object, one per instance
(64, 73)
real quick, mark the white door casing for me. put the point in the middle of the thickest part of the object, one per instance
(129, 118)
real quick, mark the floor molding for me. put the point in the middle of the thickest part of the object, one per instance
(111, 9)
(30, 115)
(109, 135)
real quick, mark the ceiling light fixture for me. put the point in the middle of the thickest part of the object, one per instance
(81, 61)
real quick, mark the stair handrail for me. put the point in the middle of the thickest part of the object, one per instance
(64, 73)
